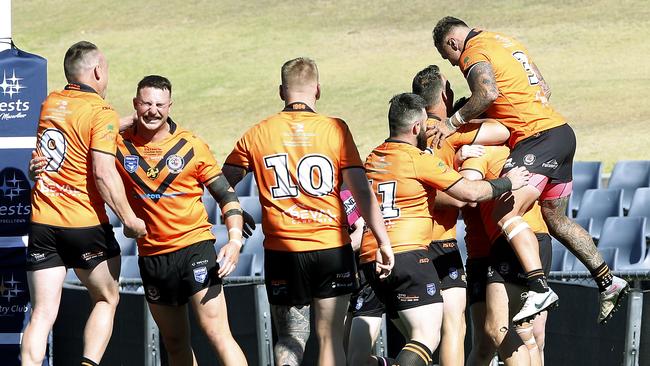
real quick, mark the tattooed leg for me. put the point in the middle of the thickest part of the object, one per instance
(292, 325)
(569, 233)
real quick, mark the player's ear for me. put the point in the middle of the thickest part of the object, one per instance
(135, 102)
(281, 92)
(317, 91)
(97, 73)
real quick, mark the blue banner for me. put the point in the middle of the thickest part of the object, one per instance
(23, 88)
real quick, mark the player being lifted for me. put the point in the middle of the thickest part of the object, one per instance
(300, 158)
(404, 179)
(507, 86)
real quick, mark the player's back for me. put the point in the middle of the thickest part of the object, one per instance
(521, 105)
(73, 122)
(297, 157)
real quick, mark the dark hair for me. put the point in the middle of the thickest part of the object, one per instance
(156, 82)
(404, 109)
(444, 26)
(428, 84)
(459, 104)
(73, 58)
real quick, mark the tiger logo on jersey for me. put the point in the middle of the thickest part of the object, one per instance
(152, 173)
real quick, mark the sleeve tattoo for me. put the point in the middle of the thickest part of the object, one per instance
(484, 90)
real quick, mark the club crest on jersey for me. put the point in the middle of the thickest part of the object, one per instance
(529, 159)
(131, 163)
(453, 273)
(200, 274)
(153, 293)
(431, 289)
(152, 173)
(359, 303)
(175, 164)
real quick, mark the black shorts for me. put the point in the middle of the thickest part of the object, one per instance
(172, 278)
(448, 263)
(476, 269)
(412, 283)
(364, 302)
(85, 248)
(548, 153)
(296, 278)
(504, 266)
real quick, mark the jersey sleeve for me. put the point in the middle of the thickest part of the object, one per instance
(434, 172)
(241, 154)
(104, 130)
(479, 164)
(471, 56)
(349, 153)
(206, 166)
(465, 135)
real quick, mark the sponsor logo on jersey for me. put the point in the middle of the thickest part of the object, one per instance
(529, 159)
(175, 163)
(131, 163)
(551, 164)
(509, 164)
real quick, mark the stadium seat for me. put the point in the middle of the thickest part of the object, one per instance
(629, 175)
(244, 266)
(628, 235)
(221, 232)
(128, 246)
(243, 188)
(211, 207)
(460, 238)
(640, 207)
(586, 175)
(559, 257)
(71, 276)
(587, 223)
(600, 204)
(610, 255)
(130, 269)
(253, 206)
(255, 245)
(255, 192)
(112, 217)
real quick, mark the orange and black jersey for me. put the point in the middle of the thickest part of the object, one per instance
(444, 219)
(298, 157)
(164, 183)
(73, 122)
(521, 105)
(405, 179)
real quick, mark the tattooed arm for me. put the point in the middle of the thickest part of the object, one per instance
(483, 86)
(545, 87)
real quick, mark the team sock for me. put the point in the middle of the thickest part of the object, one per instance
(88, 362)
(386, 361)
(414, 353)
(603, 276)
(536, 280)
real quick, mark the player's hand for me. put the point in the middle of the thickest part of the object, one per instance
(470, 151)
(36, 166)
(228, 257)
(134, 228)
(519, 177)
(249, 224)
(439, 132)
(384, 261)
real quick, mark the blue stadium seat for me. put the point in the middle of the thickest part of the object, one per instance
(71, 276)
(460, 238)
(587, 223)
(128, 246)
(610, 255)
(255, 245)
(112, 217)
(559, 258)
(244, 266)
(586, 175)
(253, 206)
(629, 175)
(243, 188)
(628, 235)
(600, 204)
(640, 207)
(130, 269)
(254, 190)
(211, 207)
(221, 232)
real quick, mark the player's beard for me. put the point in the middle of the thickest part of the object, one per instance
(422, 139)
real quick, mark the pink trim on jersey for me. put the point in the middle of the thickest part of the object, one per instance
(550, 191)
(351, 208)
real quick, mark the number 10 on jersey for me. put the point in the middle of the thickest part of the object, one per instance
(315, 175)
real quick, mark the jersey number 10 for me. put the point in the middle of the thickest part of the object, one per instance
(315, 174)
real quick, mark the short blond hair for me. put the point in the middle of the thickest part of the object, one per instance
(298, 72)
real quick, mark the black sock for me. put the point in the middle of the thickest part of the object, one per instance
(603, 276)
(536, 280)
(414, 353)
(386, 361)
(88, 362)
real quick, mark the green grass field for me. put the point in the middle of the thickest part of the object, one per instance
(224, 57)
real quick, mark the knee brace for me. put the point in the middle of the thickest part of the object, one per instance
(514, 226)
